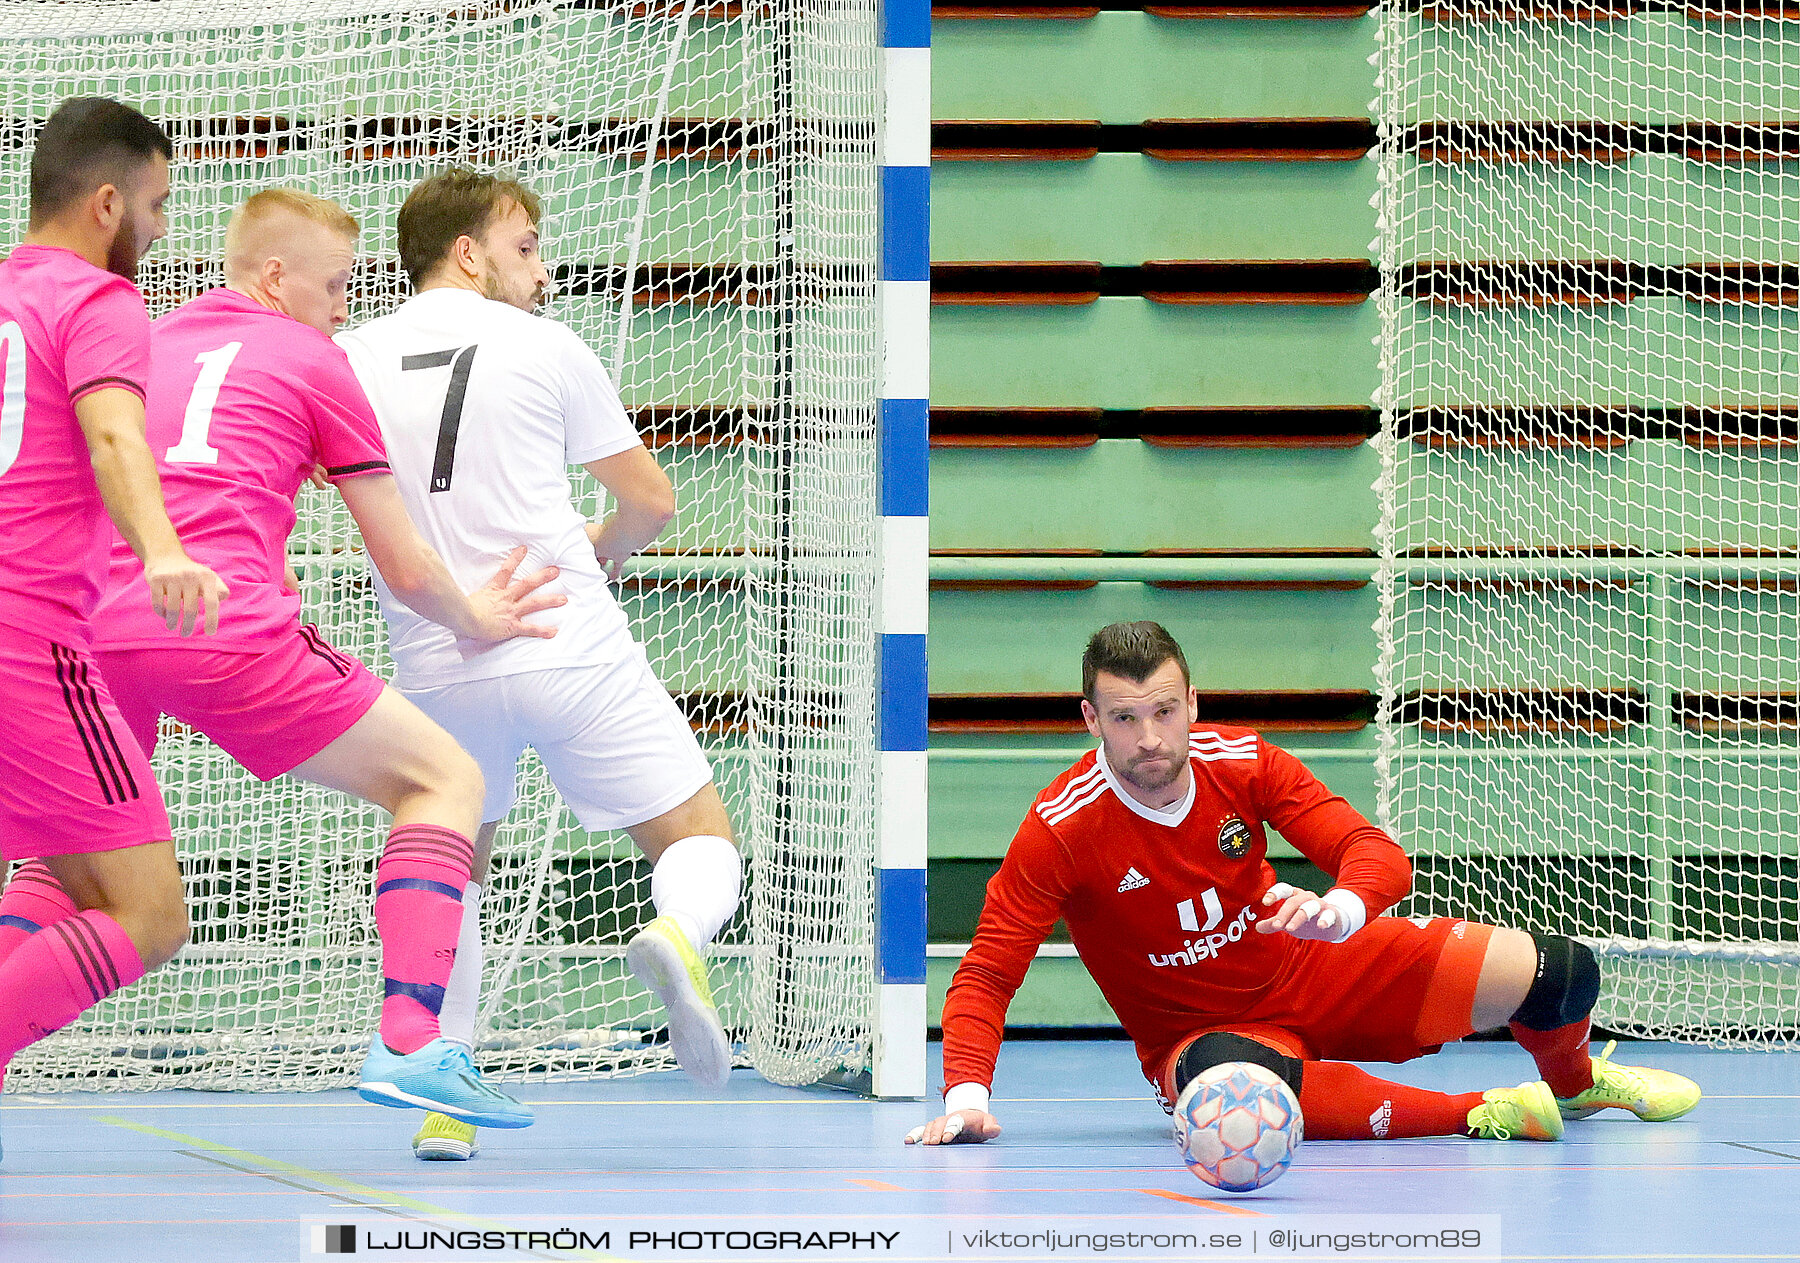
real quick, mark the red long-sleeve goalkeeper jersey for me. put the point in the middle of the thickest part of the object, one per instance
(1160, 905)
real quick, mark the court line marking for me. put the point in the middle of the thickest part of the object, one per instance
(715, 1192)
(349, 1201)
(16, 1104)
(1773, 1153)
(112, 1178)
(324, 1180)
(136, 1223)
(20, 1104)
(880, 1186)
(1226, 1207)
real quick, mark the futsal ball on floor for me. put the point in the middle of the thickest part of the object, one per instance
(1237, 1126)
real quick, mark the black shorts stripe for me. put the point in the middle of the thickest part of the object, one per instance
(317, 638)
(104, 740)
(106, 969)
(105, 728)
(68, 691)
(89, 703)
(78, 952)
(318, 649)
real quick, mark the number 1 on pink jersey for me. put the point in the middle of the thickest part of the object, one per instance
(193, 448)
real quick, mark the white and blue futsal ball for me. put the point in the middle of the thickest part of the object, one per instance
(1237, 1126)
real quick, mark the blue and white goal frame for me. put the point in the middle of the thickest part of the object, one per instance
(903, 140)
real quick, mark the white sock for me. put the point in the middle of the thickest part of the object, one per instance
(697, 882)
(462, 994)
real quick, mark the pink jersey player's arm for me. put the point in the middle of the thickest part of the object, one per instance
(182, 591)
(645, 500)
(417, 576)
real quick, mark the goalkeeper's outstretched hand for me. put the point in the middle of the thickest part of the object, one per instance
(1304, 915)
(965, 1127)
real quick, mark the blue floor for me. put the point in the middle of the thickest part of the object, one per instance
(183, 1176)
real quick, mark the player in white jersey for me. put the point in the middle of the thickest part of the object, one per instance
(484, 406)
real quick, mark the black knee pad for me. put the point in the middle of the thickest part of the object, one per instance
(1566, 985)
(1217, 1047)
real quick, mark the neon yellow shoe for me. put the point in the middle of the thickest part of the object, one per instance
(445, 1139)
(1527, 1112)
(663, 959)
(1656, 1096)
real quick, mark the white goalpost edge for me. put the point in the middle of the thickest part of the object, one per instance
(710, 176)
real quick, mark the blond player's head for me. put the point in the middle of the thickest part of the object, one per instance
(1138, 700)
(475, 230)
(293, 252)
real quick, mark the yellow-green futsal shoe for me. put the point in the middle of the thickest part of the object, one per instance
(663, 959)
(1527, 1112)
(445, 1139)
(1656, 1096)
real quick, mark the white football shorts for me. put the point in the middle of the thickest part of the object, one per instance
(617, 747)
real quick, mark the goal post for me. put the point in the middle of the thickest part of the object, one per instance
(1589, 637)
(904, 303)
(711, 183)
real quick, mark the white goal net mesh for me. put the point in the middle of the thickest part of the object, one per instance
(1589, 671)
(708, 176)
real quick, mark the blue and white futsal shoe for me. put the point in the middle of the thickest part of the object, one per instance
(440, 1076)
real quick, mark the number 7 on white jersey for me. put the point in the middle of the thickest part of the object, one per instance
(459, 360)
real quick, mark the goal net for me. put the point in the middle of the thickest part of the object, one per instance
(708, 176)
(1589, 673)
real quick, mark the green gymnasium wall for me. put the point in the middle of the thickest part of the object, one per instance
(1112, 440)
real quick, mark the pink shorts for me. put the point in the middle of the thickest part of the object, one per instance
(71, 780)
(271, 708)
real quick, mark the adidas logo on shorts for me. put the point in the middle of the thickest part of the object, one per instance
(1132, 880)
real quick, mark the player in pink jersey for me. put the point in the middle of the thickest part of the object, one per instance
(247, 395)
(74, 361)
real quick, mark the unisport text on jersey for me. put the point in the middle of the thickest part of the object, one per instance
(1207, 946)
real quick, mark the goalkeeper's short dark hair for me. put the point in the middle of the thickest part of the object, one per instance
(89, 141)
(1131, 651)
(458, 202)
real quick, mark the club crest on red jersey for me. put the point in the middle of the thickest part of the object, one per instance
(1234, 838)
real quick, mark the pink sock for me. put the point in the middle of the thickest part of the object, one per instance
(59, 973)
(32, 900)
(418, 913)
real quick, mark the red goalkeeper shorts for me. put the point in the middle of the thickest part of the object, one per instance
(1395, 990)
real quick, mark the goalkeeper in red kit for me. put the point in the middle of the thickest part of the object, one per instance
(1153, 848)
